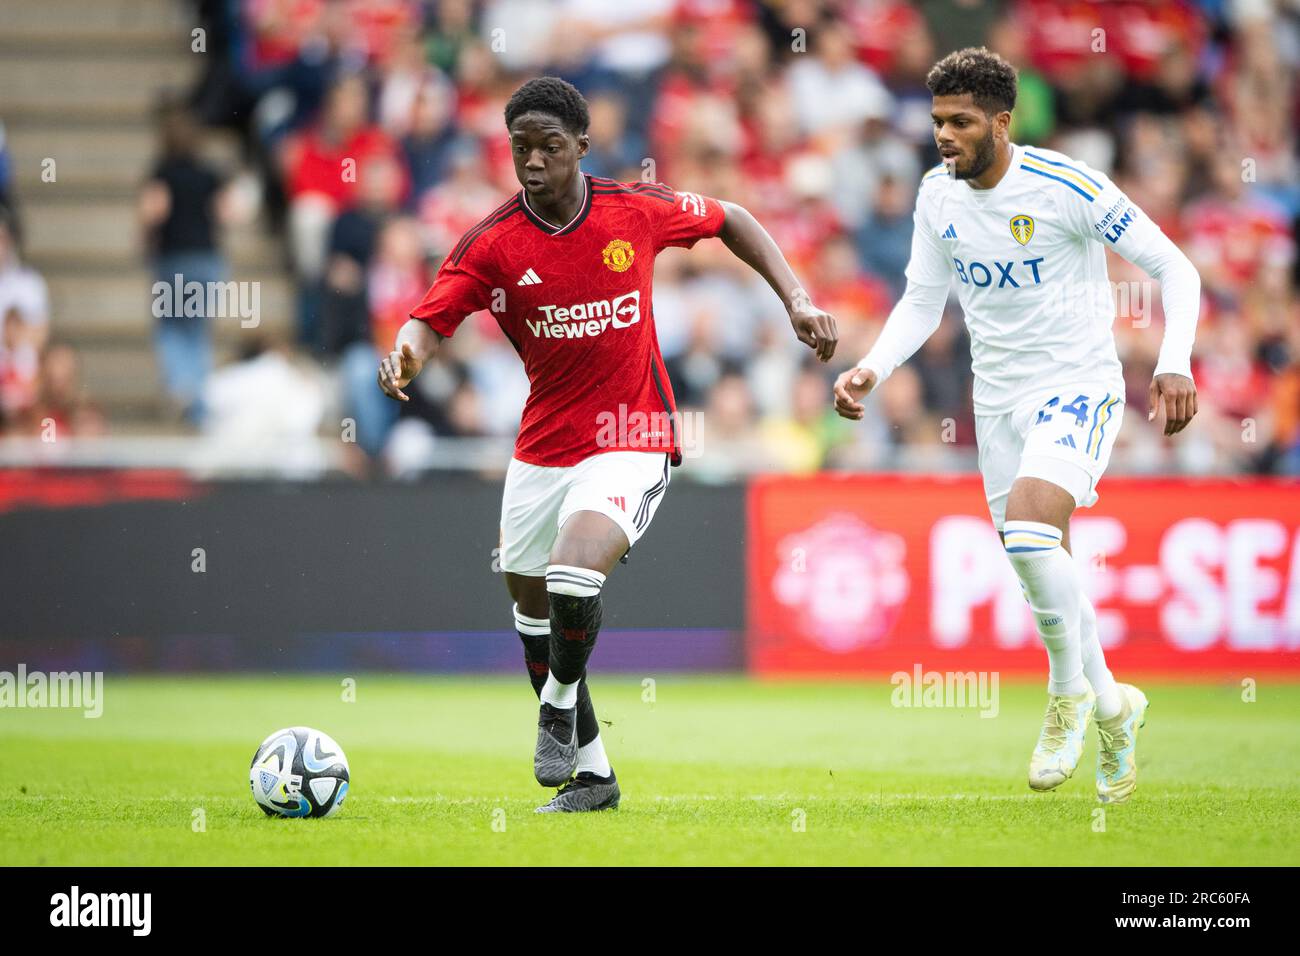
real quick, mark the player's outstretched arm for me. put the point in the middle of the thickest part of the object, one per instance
(913, 320)
(749, 241)
(1114, 220)
(1172, 390)
(415, 345)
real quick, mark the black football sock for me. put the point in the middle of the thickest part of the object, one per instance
(588, 729)
(574, 595)
(535, 632)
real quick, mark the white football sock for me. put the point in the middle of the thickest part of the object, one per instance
(1094, 663)
(1051, 584)
(563, 696)
(591, 757)
(532, 626)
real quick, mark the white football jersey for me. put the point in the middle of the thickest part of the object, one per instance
(1028, 260)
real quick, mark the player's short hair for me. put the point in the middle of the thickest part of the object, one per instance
(989, 79)
(552, 95)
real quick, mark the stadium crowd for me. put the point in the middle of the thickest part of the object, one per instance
(40, 388)
(814, 115)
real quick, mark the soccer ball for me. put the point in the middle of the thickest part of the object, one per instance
(299, 772)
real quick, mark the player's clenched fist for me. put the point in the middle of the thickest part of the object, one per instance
(814, 327)
(1176, 396)
(850, 388)
(396, 372)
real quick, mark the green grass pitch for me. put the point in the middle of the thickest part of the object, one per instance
(713, 771)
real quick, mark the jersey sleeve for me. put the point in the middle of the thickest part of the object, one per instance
(1095, 208)
(916, 315)
(689, 219)
(1117, 222)
(461, 288)
(929, 264)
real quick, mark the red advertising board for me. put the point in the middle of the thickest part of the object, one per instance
(869, 573)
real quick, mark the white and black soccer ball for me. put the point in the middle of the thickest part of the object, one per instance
(299, 772)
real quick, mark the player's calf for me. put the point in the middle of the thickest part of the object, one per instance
(535, 634)
(1051, 585)
(574, 595)
(576, 612)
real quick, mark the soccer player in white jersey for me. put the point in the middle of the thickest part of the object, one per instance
(1022, 232)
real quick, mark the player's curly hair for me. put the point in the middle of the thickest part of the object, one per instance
(989, 79)
(552, 95)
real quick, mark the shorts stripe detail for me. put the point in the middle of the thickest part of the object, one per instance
(645, 500)
(1101, 437)
(643, 510)
(650, 498)
(1096, 413)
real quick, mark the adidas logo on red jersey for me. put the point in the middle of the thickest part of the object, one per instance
(529, 278)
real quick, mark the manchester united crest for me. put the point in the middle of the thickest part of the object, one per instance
(618, 255)
(1022, 228)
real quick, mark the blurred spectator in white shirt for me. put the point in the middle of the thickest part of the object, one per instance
(21, 287)
(832, 91)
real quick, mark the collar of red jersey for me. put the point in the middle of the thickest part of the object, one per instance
(550, 228)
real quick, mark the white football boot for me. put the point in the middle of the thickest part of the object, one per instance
(1060, 744)
(1117, 754)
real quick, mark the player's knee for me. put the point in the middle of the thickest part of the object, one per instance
(1041, 500)
(587, 540)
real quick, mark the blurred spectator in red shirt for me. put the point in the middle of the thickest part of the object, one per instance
(453, 207)
(1233, 236)
(321, 167)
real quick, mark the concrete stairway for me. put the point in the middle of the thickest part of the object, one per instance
(78, 81)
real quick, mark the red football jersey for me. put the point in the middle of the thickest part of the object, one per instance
(575, 301)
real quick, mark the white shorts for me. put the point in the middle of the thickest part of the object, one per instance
(626, 486)
(1063, 435)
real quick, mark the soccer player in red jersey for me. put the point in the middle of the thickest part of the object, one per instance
(565, 266)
